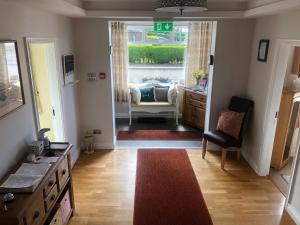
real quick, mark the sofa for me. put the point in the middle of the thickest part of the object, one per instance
(153, 98)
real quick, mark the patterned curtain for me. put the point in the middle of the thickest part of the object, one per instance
(4, 78)
(119, 37)
(198, 49)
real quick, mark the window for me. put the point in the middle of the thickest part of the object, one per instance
(156, 57)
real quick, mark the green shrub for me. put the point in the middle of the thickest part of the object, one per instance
(156, 54)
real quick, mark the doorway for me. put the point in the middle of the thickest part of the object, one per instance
(286, 131)
(152, 64)
(45, 87)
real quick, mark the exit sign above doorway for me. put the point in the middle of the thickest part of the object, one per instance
(163, 26)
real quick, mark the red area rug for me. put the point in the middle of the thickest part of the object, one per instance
(160, 135)
(167, 191)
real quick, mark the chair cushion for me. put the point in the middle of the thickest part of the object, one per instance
(147, 94)
(222, 139)
(161, 94)
(155, 104)
(230, 122)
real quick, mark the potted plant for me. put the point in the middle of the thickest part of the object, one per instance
(199, 75)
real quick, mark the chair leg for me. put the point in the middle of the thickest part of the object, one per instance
(204, 148)
(238, 154)
(224, 152)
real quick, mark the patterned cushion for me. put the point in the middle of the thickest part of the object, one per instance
(147, 94)
(161, 94)
(230, 123)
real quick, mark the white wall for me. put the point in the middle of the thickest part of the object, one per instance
(231, 69)
(282, 26)
(17, 129)
(96, 101)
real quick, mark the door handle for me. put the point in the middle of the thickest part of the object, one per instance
(53, 112)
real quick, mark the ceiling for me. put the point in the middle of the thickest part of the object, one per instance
(146, 8)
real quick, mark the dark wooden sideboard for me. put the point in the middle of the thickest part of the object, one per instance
(36, 208)
(194, 107)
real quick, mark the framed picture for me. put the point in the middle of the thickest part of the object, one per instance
(68, 67)
(11, 88)
(263, 50)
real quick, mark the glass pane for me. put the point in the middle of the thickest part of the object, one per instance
(156, 57)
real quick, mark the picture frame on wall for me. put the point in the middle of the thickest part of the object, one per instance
(68, 68)
(11, 87)
(263, 50)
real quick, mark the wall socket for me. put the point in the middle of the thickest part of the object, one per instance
(97, 131)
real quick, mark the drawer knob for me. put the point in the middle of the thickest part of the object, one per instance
(36, 214)
(51, 182)
(64, 172)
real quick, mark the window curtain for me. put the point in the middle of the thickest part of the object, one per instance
(119, 37)
(198, 50)
(4, 77)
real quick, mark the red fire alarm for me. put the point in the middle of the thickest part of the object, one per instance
(102, 76)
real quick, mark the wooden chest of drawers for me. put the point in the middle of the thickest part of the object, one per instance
(35, 208)
(194, 106)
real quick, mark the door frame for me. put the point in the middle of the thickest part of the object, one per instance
(210, 73)
(273, 102)
(28, 41)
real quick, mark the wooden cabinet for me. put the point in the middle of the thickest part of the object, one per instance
(194, 107)
(287, 120)
(37, 207)
(296, 61)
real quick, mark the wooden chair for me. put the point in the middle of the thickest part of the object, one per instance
(223, 140)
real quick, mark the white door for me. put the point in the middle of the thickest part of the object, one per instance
(45, 87)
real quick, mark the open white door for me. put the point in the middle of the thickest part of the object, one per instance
(45, 87)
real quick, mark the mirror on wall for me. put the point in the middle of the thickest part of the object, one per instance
(11, 89)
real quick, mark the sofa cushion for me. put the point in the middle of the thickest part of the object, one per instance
(161, 94)
(147, 94)
(135, 94)
(172, 94)
(230, 123)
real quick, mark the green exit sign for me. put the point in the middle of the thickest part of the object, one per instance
(163, 26)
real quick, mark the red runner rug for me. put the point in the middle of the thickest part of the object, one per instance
(167, 191)
(160, 135)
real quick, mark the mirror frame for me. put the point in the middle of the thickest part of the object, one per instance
(19, 75)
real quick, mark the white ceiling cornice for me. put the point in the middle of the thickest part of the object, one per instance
(152, 14)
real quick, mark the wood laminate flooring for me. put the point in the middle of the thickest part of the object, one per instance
(104, 190)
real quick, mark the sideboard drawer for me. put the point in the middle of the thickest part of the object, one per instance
(196, 96)
(49, 184)
(63, 173)
(196, 103)
(36, 212)
(50, 200)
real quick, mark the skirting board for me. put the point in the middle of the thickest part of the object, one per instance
(294, 214)
(126, 115)
(75, 153)
(103, 146)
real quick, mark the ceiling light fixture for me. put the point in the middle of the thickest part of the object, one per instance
(182, 6)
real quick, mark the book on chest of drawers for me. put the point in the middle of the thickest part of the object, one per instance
(50, 195)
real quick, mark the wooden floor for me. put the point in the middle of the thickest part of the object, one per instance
(104, 190)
